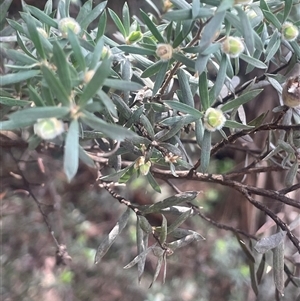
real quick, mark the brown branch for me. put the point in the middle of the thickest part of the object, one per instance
(220, 225)
(28, 188)
(118, 197)
(274, 217)
(225, 181)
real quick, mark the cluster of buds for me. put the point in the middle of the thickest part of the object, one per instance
(48, 128)
(66, 24)
(142, 166)
(214, 119)
(291, 92)
(233, 46)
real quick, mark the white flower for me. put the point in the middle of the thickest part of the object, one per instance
(214, 119)
(48, 128)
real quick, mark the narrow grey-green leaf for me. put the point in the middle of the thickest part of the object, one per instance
(247, 29)
(205, 151)
(172, 201)
(101, 25)
(122, 85)
(153, 182)
(13, 78)
(110, 130)
(181, 233)
(252, 61)
(153, 69)
(164, 230)
(32, 114)
(77, 50)
(18, 56)
(140, 257)
(180, 220)
(112, 236)
(157, 269)
(71, 155)
(55, 86)
(117, 22)
(268, 243)
(126, 18)
(14, 124)
(273, 46)
(84, 11)
(44, 18)
(93, 15)
(237, 125)
(106, 100)
(85, 158)
(189, 63)
(136, 50)
(179, 15)
(291, 175)
(95, 83)
(219, 83)
(35, 37)
(278, 267)
(288, 4)
(160, 77)
(244, 98)
(142, 245)
(180, 243)
(62, 65)
(272, 18)
(152, 27)
(203, 91)
(144, 224)
(208, 34)
(4, 6)
(187, 95)
(13, 102)
(172, 131)
(261, 268)
(176, 105)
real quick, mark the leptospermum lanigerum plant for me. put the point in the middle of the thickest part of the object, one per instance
(159, 102)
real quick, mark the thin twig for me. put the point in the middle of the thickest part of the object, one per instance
(118, 197)
(220, 225)
(274, 217)
(28, 188)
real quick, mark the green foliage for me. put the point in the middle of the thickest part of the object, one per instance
(142, 95)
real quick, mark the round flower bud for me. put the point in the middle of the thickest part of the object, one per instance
(66, 24)
(105, 52)
(42, 32)
(214, 119)
(233, 46)
(144, 169)
(142, 166)
(134, 37)
(48, 128)
(88, 76)
(289, 31)
(164, 51)
(243, 2)
(291, 92)
(139, 162)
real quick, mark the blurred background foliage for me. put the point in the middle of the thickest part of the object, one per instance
(81, 213)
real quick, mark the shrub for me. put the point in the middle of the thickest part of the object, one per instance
(142, 97)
